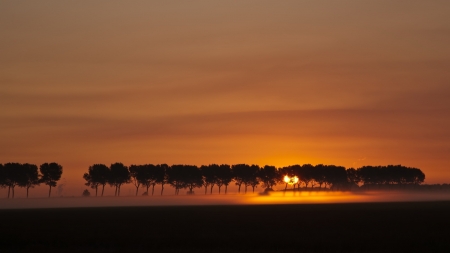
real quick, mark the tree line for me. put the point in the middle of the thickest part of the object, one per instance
(28, 175)
(245, 176)
(339, 177)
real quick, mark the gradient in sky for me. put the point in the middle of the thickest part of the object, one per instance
(349, 83)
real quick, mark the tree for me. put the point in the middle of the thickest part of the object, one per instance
(319, 175)
(51, 174)
(161, 175)
(30, 176)
(209, 174)
(13, 176)
(175, 177)
(224, 176)
(251, 177)
(86, 193)
(239, 174)
(192, 177)
(119, 175)
(269, 176)
(136, 174)
(148, 176)
(353, 177)
(98, 174)
(306, 174)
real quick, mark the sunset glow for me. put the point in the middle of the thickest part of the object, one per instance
(291, 180)
(349, 83)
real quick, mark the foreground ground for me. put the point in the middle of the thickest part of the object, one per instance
(357, 227)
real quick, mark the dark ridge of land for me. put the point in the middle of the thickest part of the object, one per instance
(356, 227)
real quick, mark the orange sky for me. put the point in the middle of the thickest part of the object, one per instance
(349, 83)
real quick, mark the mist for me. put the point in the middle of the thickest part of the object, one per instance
(275, 198)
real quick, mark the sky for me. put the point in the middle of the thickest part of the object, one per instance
(349, 83)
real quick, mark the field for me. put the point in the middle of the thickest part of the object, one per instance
(356, 227)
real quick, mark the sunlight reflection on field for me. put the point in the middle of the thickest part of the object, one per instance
(289, 197)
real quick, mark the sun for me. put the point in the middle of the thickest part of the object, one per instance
(291, 180)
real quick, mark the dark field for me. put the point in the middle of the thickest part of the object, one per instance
(362, 227)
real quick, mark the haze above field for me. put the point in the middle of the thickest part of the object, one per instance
(349, 83)
(275, 198)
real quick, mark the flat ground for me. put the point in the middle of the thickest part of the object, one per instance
(356, 227)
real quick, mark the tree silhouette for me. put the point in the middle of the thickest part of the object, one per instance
(306, 174)
(192, 177)
(209, 174)
(119, 175)
(86, 193)
(98, 174)
(251, 177)
(336, 177)
(287, 171)
(30, 176)
(13, 176)
(175, 177)
(161, 175)
(269, 176)
(224, 176)
(147, 177)
(51, 174)
(353, 177)
(137, 174)
(239, 174)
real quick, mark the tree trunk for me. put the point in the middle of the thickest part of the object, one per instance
(9, 190)
(219, 189)
(96, 189)
(253, 189)
(50, 191)
(137, 189)
(211, 188)
(285, 187)
(13, 192)
(153, 189)
(162, 189)
(206, 188)
(118, 192)
(103, 189)
(226, 189)
(239, 188)
(27, 190)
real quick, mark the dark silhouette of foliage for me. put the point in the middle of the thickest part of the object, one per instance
(353, 177)
(224, 176)
(146, 176)
(30, 177)
(137, 174)
(306, 174)
(251, 177)
(98, 174)
(269, 176)
(13, 176)
(51, 174)
(209, 174)
(185, 176)
(161, 175)
(175, 177)
(86, 193)
(192, 177)
(119, 175)
(239, 174)
(389, 175)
